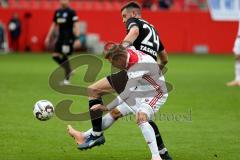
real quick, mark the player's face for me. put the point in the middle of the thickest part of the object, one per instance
(64, 3)
(126, 15)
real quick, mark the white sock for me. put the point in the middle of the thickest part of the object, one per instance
(149, 136)
(107, 121)
(88, 133)
(237, 70)
(96, 133)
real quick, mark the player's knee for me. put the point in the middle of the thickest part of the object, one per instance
(56, 55)
(141, 118)
(115, 113)
(93, 91)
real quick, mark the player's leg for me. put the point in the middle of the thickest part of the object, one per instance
(95, 91)
(115, 81)
(157, 105)
(62, 59)
(161, 147)
(148, 132)
(67, 49)
(236, 51)
(107, 122)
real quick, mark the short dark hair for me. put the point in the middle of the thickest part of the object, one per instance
(131, 5)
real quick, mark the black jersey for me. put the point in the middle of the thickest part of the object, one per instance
(65, 19)
(148, 40)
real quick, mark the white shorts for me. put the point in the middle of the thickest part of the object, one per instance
(236, 48)
(149, 106)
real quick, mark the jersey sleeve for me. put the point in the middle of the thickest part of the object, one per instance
(132, 22)
(124, 95)
(55, 16)
(161, 46)
(74, 16)
(133, 77)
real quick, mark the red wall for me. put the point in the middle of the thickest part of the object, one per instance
(179, 31)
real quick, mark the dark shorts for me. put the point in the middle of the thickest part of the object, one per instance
(64, 47)
(118, 81)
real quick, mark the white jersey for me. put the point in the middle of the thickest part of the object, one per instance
(145, 82)
(145, 70)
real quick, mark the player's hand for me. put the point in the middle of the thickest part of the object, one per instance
(162, 68)
(77, 44)
(99, 107)
(47, 41)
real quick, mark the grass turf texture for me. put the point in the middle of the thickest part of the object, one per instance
(199, 81)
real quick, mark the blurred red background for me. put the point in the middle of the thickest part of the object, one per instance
(180, 31)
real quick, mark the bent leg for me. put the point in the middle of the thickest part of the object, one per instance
(95, 91)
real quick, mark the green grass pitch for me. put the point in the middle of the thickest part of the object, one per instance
(205, 125)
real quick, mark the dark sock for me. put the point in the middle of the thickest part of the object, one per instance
(66, 66)
(157, 135)
(96, 116)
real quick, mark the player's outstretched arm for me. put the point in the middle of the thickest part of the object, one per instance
(119, 99)
(76, 30)
(132, 34)
(50, 32)
(163, 58)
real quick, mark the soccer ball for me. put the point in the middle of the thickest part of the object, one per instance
(43, 110)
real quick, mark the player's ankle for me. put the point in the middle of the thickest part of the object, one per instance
(96, 133)
(163, 151)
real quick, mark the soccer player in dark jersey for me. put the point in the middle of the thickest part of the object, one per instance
(145, 38)
(66, 22)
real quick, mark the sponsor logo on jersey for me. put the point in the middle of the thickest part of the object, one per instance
(61, 20)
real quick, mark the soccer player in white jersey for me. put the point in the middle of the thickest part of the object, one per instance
(236, 50)
(145, 91)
